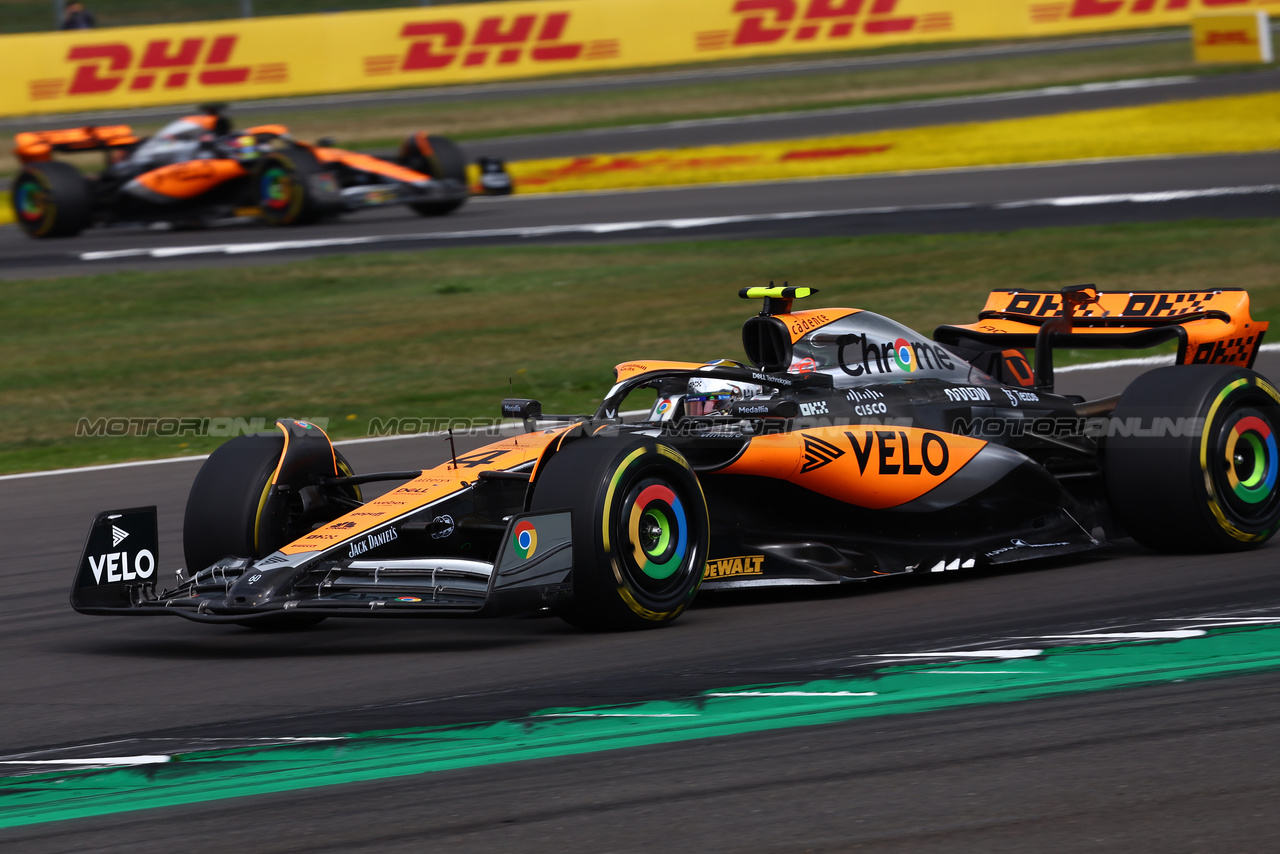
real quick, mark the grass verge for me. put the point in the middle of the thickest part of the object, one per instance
(449, 332)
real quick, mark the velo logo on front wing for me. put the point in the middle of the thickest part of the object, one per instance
(116, 566)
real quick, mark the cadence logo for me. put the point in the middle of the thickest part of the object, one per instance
(497, 40)
(161, 64)
(779, 21)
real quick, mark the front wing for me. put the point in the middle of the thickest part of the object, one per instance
(119, 574)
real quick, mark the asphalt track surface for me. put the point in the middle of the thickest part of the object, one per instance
(1181, 767)
(997, 199)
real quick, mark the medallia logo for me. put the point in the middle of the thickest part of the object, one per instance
(904, 355)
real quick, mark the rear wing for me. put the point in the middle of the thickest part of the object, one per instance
(1210, 327)
(35, 146)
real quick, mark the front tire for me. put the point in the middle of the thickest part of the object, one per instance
(52, 199)
(1197, 491)
(284, 188)
(437, 157)
(227, 512)
(640, 530)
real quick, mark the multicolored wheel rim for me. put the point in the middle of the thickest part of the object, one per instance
(525, 539)
(1240, 458)
(1251, 460)
(33, 204)
(276, 189)
(657, 530)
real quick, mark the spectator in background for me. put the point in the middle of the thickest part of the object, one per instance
(77, 17)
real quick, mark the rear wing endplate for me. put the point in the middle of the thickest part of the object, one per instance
(34, 146)
(1210, 327)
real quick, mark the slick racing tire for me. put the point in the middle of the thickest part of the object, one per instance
(640, 530)
(1175, 488)
(284, 186)
(52, 199)
(224, 515)
(440, 158)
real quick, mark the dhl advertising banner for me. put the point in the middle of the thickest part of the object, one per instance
(307, 54)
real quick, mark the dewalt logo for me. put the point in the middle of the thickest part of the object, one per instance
(731, 567)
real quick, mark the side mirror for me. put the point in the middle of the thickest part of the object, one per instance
(525, 409)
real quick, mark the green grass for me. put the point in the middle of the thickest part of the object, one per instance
(440, 333)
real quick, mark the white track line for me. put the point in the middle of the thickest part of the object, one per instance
(973, 653)
(677, 224)
(103, 760)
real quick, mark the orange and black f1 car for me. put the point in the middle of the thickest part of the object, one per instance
(198, 171)
(846, 447)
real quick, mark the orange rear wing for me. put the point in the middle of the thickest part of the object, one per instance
(34, 146)
(1210, 327)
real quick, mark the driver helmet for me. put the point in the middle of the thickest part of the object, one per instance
(709, 396)
(182, 130)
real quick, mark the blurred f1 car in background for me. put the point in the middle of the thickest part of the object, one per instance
(848, 447)
(198, 171)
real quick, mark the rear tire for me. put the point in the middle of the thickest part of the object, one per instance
(437, 157)
(52, 199)
(640, 530)
(225, 518)
(1211, 490)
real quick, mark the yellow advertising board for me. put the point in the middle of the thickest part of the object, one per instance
(1239, 38)
(423, 46)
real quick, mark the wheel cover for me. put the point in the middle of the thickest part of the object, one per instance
(1240, 459)
(652, 536)
(34, 203)
(277, 188)
(658, 529)
(1250, 462)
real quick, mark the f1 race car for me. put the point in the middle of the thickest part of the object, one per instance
(846, 448)
(197, 171)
